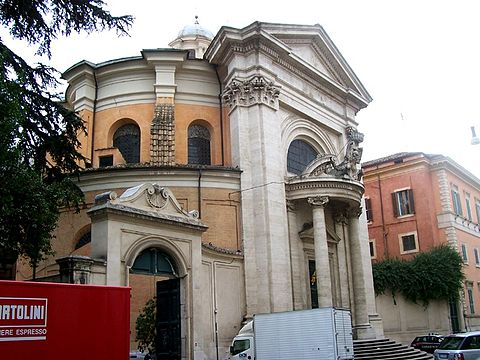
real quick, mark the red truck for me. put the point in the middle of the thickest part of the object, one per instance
(46, 321)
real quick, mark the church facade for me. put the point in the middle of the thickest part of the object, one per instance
(223, 179)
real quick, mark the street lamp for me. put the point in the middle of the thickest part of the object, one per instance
(475, 140)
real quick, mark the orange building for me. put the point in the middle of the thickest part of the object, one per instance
(415, 201)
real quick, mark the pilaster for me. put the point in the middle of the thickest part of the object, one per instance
(255, 138)
(297, 260)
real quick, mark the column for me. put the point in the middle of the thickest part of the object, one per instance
(362, 327)
(322, 263)
(343, 260)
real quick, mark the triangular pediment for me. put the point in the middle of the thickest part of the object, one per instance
(310, 52)
(305, 50)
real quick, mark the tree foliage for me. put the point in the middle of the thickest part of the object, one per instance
(145, 327)
(38, 135)
(433, 275)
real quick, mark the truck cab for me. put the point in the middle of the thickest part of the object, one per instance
(243, 345)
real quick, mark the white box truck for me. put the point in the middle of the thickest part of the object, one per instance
(320, 334)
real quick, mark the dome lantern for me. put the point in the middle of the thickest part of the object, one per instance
(193, 37)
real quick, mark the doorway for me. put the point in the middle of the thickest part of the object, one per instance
(168, 339)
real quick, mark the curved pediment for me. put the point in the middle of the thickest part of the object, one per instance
(148, 201)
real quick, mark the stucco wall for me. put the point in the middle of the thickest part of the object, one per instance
(404, 320)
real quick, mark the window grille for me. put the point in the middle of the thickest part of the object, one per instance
(198, 145)
(84, 240)
(127, 140)
(300, 154)
(409, 243)
(153, 261)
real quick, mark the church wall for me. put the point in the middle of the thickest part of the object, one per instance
(220, 211)
(223, 289)
(209, 116)
(109, 120)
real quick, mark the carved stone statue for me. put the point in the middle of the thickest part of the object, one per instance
(327, 164)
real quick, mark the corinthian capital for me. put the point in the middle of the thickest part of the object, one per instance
(355, 211)
(318, 201)
(256, 90)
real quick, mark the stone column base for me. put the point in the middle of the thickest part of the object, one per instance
(364, 332)
(377, 324)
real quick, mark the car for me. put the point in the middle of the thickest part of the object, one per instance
(427, 343)
(462, 346)
(139, 355)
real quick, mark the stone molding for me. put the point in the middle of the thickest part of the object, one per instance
(147, 201)
(257, 90)
(444, 189)
(318, 201)
(347, 190)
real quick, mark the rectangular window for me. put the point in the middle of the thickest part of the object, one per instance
(403, 203)
(368, 209)
(457, 205)
(464, 253)
(477, 210)
(467, 206)
(477, 258)
(373, 252)
(471, 302)
(408, 243)
(106, 160)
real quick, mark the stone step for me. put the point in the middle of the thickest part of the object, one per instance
(385, 349)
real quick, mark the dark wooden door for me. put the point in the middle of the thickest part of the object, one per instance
(168, 342)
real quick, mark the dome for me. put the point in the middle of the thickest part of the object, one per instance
(195, 30)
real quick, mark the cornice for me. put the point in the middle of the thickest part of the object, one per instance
(257, 38)
(349, 191)
(219, 251)
(123, 210)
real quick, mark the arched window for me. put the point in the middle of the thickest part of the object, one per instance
(198, 145)
(300, 154)
(84, 240)
(127, 140)
(153, 261)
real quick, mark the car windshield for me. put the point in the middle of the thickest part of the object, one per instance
(239, 346)
(451, 343)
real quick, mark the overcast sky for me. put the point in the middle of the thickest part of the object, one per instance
(418, 59)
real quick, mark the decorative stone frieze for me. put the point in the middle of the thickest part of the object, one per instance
(316, 201)
(256, 90)
(162, 136)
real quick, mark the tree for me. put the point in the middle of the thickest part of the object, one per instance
(38, 135)
(145, 327)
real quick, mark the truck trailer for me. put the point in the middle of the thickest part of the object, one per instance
(46, 321)
(324, 333)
